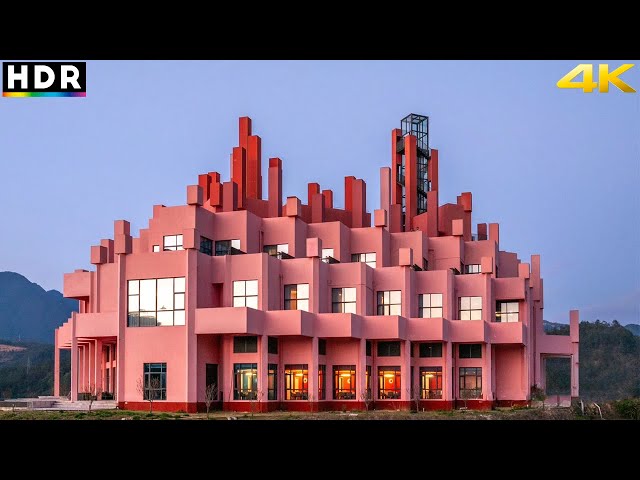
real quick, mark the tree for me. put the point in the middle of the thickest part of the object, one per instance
(149, 392)
(210, 396)
(415, 396)
(538, 395)
(468, 394)
(366, 398)
(90, 393)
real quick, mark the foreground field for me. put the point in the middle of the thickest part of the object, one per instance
(500, 414)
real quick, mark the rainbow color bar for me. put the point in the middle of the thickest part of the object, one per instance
(44, 94)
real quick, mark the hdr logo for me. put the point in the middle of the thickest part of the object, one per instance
(50, 79)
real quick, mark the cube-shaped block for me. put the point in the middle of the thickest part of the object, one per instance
(294, 207)
(380, 218)
(190, 238)
(194, 195)
(123, 243)
(523, 270)
(121, 227)
(314, 247)
(405, 257)
(98, 254)
(457, 227)
(486, 264)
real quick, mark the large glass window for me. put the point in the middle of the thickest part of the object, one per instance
(272, 345)
(472, 268)
(296, 386)
(368, 258)
(470, 308)
(431, 350)
(389, 386)
(227, 247)
(245, 381)
(211, 378)
(272, 381)
(172, 243)
(322, 346)
(247, 344)
(507, 311)
(430, 305)
(388, 349)
(470, 382)
(343, 300)
(431, 383)
(156, 302)
(206, 246)
(322, 382)
(470, 350)
(155, 381)
(390, 302)
(245, 293)
(281, 250)
(327, 252)
(296, 297)
(344, 382)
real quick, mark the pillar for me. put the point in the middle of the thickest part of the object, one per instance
(487, 373)
(263, 370)
(574, 326)
(411, 180)
(313, 373)
(405, 372)
(448, 372)
(361, 370)
(385, 188)
(239, 175)
(275, 187)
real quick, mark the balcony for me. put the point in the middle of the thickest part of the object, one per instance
(381, 327)
(468, 331)
(236, 320)
(93, 325)
(425, 329)
(282, 256)
(330, 260)
(335, 325)
(224, 250)
(77, 284)
(511, 288)
(507, 332)
(288, 322)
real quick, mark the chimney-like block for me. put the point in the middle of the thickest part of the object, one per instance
(314, 247)
(122, 227)
(486, 264)
(194, 195)
(494, 232)
(457, 227)
(99, 255)
(328, 198)
(229, 196)
(405, 257)
(294, 207)
(275, 187)
(380, 217)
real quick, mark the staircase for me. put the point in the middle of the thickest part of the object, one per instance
(82, 405)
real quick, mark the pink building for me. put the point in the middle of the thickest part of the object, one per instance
(306, 305)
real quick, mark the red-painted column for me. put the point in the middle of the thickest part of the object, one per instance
(254, 167)
(328, 198)
(312, 189)
(229, 196)
(396, 159)
(411, 180)
(239, 173)
(275, 187)
(56, 366)
(204, 181)
(385, 188)
(348, 193)
(432, 171)
(359, 203)
(215, 196)
(432, 213)
(244, 131)
(317, 208)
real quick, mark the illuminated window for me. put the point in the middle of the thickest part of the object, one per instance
(470, 350)
(296, 385)
(388, 349)
(172, 242)
(245, 293)
(470, 382)
(389, 386)
(155, 381)
(296, 297)
(470, 308)
(430, 305)
(390, 302)
(322, 382)
(473, 268)
(245, 381)
(272, 381)
(206, 246)
(368, 258)
(507, 312)
(343, 300)
(156, 302)
(431, 383)
(344, 382)
(244, 344)
(430, 350)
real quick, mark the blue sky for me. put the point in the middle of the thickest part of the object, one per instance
(558, 169)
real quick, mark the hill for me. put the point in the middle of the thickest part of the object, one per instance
(633, 328)
(28, 312)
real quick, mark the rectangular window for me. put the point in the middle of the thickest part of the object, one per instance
(470, 350)
(281, 250)
(431, 350)
(344, 382)
(327, 252)
(470, 308)
(368, 258)
(368, 347)
(272, 381)
(296, 297)
(245, 293)
(389, 386)
(322, 346)
(272, 345)
(507, 311)
(390, 302)
(245, 344)
(227, 247)
(470, 382)
(155, 381)
(343, 300)
(322, 382)
(296, 386)
(388, 349)
(156, 248)
(431, 383)
(206, 245)
(430, 305)
(473, 268)
(172, 243)
(245, 381)
(211, 378)
(156, 302)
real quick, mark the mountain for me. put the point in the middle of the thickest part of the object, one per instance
(29, 312)
(633, 328)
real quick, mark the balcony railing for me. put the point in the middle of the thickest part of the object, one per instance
(220, 251)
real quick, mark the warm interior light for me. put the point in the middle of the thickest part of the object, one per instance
(429, 375)
(298, 374)
(389, 375)
(345, 374)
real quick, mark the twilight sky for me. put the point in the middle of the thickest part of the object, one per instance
(558, 169)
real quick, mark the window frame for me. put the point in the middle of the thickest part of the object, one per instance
(465, 372)
(386, 348)
(388, 303)
(389, 371)
(467, 309)
(242, 394)
(294, 301)
(245, 296)
(272, 381)
(206, 245)
(344, 371)
(472, 268)
(241, 343)
(430, 347)
(340, 305)
(291, 371)
(473, 350)
(425, 381)
(507, 313)
(322, 382)
(135, 318)
(370, 258)
(426, 307)
(159, 393)
(178, 242)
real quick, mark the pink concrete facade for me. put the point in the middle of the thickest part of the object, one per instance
(282, 303)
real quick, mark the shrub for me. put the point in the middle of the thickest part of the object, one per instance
(628, 408)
